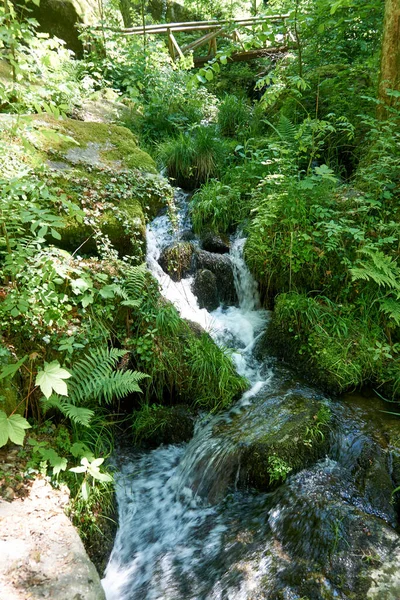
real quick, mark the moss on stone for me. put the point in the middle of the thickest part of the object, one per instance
(279, 435)
(96, 144)
(124, 227)
(154, 425)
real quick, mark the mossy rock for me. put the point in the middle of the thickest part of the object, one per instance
(125, 228)
(155, 425)
(278, 435)
(61, 18)
(91, 143)
(176, 260)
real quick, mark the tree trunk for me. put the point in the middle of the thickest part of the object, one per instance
(125, 7)
(390, 59)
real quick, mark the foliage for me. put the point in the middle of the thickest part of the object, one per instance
(193, 159)
(216, 206)
(277, 469)
(40, 61)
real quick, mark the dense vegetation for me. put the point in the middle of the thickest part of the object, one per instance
(301, 150)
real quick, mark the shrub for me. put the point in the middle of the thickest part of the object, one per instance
(216, 206)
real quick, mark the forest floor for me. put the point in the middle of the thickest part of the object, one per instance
(41, 554)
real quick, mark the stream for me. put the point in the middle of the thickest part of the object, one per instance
(194, 524)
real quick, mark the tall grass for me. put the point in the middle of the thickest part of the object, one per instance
(193, 158)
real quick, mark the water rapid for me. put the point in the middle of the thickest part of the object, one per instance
(188, 527)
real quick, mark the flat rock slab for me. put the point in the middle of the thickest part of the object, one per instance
(41, 553)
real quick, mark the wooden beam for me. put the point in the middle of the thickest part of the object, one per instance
(200, 61)
(175, 44)
(239, 21)
(201, 41)
(170, 45)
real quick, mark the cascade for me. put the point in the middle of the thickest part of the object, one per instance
(187, 531)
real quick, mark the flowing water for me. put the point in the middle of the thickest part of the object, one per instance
(188, 527)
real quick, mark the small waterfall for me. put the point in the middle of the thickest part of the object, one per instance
(186, 532)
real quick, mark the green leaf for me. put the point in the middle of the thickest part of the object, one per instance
(51, 378)
(209, 75)
(12, 428)
(10, 370)
(56, 461)
(108, 291)
(85, 490)
(80, 469)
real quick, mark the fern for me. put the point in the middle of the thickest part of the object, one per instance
(286, 130)
(132, 287)
(94, 379)
(77, 414)
(391, 307)
(379, 268)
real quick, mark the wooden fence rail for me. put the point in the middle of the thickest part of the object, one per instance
(215, 29)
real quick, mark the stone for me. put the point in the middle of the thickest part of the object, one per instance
(221, 266)
(212, 242)
(157, 425)
(45, 558)
(60, 18)
(205, 289)
(176, 260)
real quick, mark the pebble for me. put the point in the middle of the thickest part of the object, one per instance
(9, 494)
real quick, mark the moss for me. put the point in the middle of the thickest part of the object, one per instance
(125, 228)
(332, 350)
(279, 435)
(154, 425)
(176, 260)
(105, 144)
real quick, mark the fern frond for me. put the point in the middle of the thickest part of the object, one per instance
(77, 414)
(119, 384)
(135, 279)
(94, 377)
(286, 130)
(391, 307)
(380, 268)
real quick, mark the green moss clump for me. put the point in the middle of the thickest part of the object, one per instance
(111, 145)
(280, 434)
(154, 424)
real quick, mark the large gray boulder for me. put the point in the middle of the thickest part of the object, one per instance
(206, 290)
(61, 18)
(176, 260)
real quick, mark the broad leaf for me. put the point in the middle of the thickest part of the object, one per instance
(10, 370)
(12, 428)
(51, 378)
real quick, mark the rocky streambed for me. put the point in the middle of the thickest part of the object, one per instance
(287, 495)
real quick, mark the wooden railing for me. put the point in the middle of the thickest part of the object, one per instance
(227, 28)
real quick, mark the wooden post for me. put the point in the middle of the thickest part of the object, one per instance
(170, 45)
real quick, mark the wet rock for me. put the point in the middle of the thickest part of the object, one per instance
(317, 527)
(195, 328)
(212, 242)
(155, 425)
(221, 266)
(176, 260)
(206, 290)
(187, 235)
(279, 435)
(260, 445)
